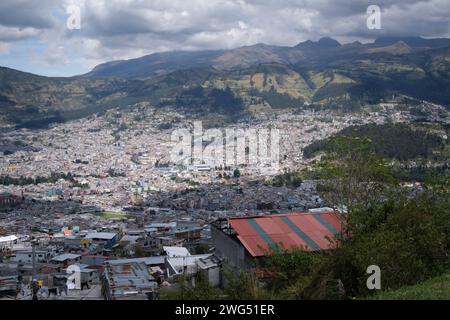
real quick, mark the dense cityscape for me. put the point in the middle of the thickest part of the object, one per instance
(114, 197)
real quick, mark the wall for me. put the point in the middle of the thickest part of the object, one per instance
(229, 250)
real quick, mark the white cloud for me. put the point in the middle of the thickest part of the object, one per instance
(241, 35)
(121, 29)
(11, 34)
(4, 47)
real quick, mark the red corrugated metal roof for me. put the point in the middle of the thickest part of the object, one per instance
(297, 230)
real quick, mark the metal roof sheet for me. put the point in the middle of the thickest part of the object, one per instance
(156, 260)
(66, 256)
(130, 278)
(101, 235)
(309, 231)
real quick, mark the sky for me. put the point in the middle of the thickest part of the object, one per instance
(35, 35)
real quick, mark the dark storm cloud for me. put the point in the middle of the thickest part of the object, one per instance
(26, 14)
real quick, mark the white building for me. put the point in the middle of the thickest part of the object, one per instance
(8, 242)
(173, 252)
(184, 265)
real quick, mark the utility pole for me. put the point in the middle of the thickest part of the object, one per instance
(33, 246)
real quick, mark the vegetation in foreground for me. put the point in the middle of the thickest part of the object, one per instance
(437, 288)
(406, 232)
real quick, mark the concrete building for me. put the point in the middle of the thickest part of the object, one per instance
(210, 268)
(183, 265)
(173, 252)
(8, 242)
(26, 256)
(67, 259)
(106, 239)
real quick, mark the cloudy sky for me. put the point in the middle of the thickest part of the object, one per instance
(34, 35)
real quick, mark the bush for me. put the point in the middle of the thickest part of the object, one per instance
(202, 290)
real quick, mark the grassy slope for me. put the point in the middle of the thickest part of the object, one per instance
(111, 215)
(437, 288)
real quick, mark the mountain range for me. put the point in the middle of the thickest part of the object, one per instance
(322, 72)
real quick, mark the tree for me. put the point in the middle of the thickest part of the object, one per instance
(404, 233)
(353, 178)
(289, 272)
(193, 288)
(244, 285)
(138, 250)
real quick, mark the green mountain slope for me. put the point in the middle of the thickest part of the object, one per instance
(437, 288)
(323, 72)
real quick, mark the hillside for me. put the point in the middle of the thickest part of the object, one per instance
(154, 64)
(306, 54)
(393, 141)
(324, 73)
(417, 150)
(437, 288)
(26, 97)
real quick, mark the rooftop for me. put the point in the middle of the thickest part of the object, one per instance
(187, 261)
(66, 256)
(310, 231)
(156, 260)
(101, 235)
(176, 251)
(129, 279)
(8, 239)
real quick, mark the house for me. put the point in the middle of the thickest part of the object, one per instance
(188, 234)
(128, 279)
(106, 239)
(135, 233)
(176, 251)
(50, 268)
(209, 267)
(89, 275)
(86, 275)
(8, 242)
(26, 256)
(159, 227)
(240, 241)
(66, 259)
(69, 242)
(183, 265)
(128, 240)
(160, 241)
(94, 262)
